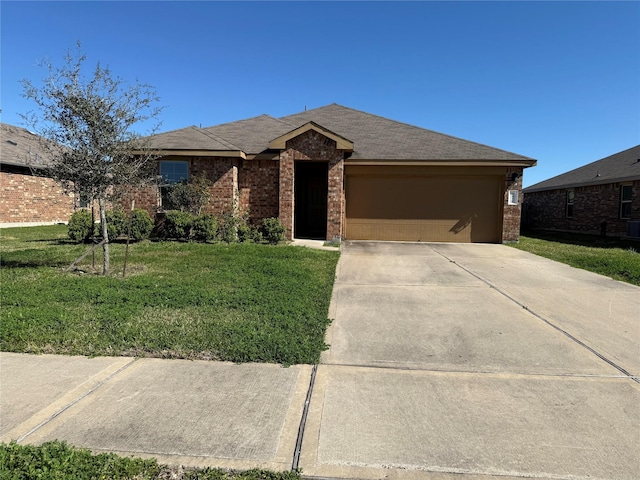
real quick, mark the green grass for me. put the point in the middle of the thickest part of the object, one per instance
(237, 302)
(617, 259)
(59, 461)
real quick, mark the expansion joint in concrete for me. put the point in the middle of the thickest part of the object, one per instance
(67, 406)
(545, 320)
(303, 420)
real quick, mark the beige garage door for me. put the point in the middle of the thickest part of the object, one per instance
(392, 204)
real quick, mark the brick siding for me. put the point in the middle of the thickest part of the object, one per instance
(258, 189)
(511, 214)
(28, 198)
(592, 205)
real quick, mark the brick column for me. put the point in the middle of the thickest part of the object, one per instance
(335, 201)
(285, 197)
(511, 213)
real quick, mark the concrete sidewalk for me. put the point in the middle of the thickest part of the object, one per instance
(436, 371)
(179, 411)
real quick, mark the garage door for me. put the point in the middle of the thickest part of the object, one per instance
(392, 204)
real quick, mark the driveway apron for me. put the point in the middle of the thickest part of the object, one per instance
(480, 360)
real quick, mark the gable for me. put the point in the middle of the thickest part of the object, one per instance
(341, 142)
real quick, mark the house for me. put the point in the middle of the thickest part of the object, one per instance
(602, 197)
(27, 198)
(338, 173)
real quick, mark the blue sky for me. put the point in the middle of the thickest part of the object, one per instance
(556, 81)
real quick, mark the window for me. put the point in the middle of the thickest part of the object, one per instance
(84, 201)
(625, 201)
(171, 172)
(570, 198)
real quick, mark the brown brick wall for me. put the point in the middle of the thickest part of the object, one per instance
(592, 205)
(146, 198)
(222, 172)
(511, 214)
(258, 189)
(28, 198)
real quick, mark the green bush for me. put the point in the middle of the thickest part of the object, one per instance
(141, 225)
(273, 230)
(205, 228)
(248, 233)
(189, 195)
(116, 223)
(178, 224)
(228, 228)
(80, 228)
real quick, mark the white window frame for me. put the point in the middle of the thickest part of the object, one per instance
(570, 202)
(624, 202)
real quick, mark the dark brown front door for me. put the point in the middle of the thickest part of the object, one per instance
(311, 189)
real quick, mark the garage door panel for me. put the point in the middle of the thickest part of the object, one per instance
(423, 208)
(407, 230)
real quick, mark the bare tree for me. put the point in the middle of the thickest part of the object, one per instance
(87, 124)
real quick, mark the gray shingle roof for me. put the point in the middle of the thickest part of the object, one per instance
(374, 137)
(190, 138)
(619, 167)
(253, 134)
(18, 146)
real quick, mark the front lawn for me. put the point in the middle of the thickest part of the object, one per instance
(619, 260)
(235, 302)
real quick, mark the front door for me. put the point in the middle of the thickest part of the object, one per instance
(310, 207)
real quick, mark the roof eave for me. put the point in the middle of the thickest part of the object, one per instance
(605, 181)
(164, 152)
(438, 163)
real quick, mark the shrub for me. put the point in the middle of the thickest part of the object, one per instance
(141, 225)
(178, 224)
(116, 223)
(273, 230)
(189, 195)
(249, 233)
(205, 228)
(80, 228)
(228, 228)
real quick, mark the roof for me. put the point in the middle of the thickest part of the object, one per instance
(20, 147)
(378, 137)
(373, 137)
(619, 167)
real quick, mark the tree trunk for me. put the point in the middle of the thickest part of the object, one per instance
(105, 235)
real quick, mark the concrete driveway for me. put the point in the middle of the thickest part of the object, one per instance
(451, 359)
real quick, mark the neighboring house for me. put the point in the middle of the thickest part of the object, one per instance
(334, 172)
(26, 198)
(602, 197)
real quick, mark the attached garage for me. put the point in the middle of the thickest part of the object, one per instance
(424, 204)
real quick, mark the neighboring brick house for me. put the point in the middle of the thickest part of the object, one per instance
(335, 172)
(26, 198)
(602, 197)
